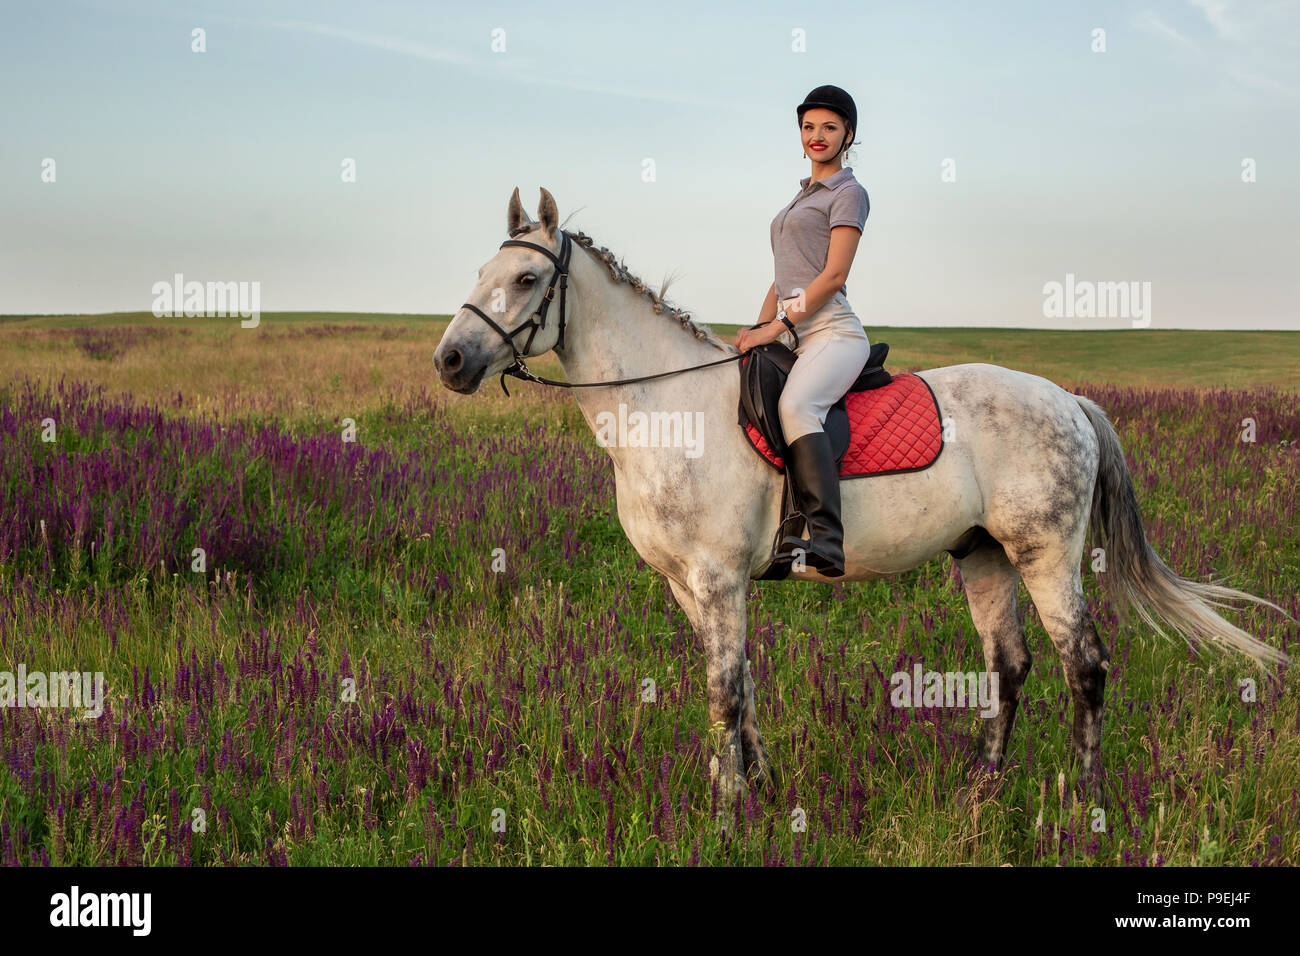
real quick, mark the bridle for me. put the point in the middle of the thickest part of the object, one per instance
(538, 321)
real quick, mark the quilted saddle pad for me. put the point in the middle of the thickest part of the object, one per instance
(892, 429)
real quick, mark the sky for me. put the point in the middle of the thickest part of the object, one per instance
(668, 131)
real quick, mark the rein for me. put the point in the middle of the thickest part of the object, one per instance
(537, 321)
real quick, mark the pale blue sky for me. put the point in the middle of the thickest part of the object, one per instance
(1115, 166)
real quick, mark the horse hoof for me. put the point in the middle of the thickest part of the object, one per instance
(731, 782)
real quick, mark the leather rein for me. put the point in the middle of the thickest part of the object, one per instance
(538, 321)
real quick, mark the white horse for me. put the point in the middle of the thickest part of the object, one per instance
(1025, 467)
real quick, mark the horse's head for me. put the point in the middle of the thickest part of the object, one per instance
(514, 307)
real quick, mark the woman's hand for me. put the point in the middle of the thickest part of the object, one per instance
(765, 333)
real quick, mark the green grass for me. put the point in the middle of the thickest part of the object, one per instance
(552, 655)
(1122, 357)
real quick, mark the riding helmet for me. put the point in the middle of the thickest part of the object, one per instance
(831, 98)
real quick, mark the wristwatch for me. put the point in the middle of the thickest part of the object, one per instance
(782, 317)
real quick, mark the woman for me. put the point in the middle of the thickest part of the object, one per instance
(814, 239)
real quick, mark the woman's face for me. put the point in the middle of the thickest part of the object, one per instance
(822, 132)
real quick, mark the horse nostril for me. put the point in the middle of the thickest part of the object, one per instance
(452, 362)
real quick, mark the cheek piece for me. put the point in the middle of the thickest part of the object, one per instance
(538, 319)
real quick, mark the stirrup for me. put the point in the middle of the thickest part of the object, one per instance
(784, 554)
(820, 562)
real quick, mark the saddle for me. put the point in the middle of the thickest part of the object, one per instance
(763, 371)
(894, 430)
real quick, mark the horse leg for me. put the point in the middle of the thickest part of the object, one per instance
(992, 587)
(684, 598)
(756, 761)
(716, 606)
(1058, 594)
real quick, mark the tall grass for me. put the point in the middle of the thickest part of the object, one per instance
(351, 681)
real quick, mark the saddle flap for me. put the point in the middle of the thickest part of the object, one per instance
(763, 373)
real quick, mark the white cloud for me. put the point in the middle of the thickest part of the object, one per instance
(373, 40)
(1216, 13)
(1148, 21)
(522, 68)
(1257, 81)
(1244, 44)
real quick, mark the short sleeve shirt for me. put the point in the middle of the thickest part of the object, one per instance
(801, 232)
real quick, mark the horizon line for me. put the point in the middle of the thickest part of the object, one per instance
(445, 316)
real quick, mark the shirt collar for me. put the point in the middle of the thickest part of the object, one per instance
(830, 182)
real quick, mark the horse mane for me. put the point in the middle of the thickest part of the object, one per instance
(619, 273)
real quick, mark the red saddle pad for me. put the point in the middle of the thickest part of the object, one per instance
(895, 428)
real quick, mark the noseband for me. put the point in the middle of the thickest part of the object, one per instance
(538, 318)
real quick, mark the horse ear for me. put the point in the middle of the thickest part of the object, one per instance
(549, 212)
(515, 216)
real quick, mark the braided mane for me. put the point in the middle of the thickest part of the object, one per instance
(619, 273)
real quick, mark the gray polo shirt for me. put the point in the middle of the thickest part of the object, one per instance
(801, 232)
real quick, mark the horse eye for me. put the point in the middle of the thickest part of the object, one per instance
(527, 279)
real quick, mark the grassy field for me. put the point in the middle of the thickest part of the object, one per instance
(347, 680)
(366, 357)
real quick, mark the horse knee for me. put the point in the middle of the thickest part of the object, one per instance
(1016, 663)
(726, 698)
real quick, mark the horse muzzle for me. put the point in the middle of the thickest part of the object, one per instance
(460, 371)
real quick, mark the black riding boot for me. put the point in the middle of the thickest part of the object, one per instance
(810, 467)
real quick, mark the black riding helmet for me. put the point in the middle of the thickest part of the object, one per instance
(835, 99)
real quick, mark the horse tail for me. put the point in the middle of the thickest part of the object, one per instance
(1137, 577)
